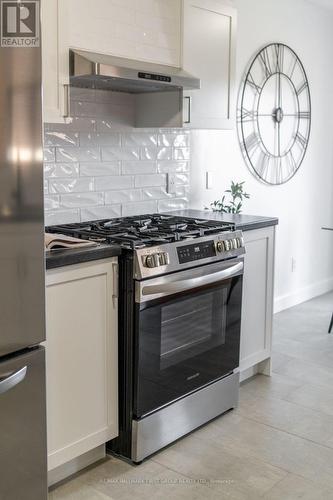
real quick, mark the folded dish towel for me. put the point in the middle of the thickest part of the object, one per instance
(57, 241)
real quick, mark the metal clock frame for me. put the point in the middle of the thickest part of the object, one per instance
(241, 118)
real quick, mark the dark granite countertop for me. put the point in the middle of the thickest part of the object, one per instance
(67, 257)
(243, 222)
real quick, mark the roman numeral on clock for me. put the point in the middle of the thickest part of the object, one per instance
(290, 162)
(304, 115)
(262, 164)
(302, 87)
(264, 59)
(248, 115)
(301, 140)
(255, 86)
(251, 143)
(279, 52)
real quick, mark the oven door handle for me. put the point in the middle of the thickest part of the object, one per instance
(182, 285)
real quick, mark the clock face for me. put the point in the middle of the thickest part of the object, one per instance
(274, 114)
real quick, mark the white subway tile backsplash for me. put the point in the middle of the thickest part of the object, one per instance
(139, 139)
(109, 124)
(77, 154)
(114, 182)
(51, 202)
(172, 166)
(49, 154)
(104, 212)
(61, 169)
(81, 200)
(139, 208)
(150, 180)
(75, 124)
(88, 140)
(139, 167)
(123, 115)
(181, 154)
(61, 138)
(100, 168)
(123, 196)
(125, 154)
(156, 153)
(174, 140)
(78, 185)
(155, 193)
(182, 179)
(61, 217)
(172, 204)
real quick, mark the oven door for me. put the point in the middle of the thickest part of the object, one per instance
(187, 332)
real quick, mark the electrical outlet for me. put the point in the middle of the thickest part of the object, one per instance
(293, 264)
(171, 184)
(209, 180)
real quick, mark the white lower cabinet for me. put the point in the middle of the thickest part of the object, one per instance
(81, 359)
(257, 313)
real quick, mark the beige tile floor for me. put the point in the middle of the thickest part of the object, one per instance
(278, 445)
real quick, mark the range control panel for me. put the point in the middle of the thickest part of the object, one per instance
(196, 251)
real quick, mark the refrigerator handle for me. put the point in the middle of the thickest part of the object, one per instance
(10, 380)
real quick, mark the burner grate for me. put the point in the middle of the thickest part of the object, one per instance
(142, 231)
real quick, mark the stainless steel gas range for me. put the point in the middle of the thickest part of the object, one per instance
(180, 297)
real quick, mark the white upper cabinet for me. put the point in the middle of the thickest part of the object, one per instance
(198, 35)
(209, 38)
(147, 30)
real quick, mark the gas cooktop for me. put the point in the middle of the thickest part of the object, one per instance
(143, 231)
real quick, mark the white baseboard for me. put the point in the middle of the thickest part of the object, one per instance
(302, 295)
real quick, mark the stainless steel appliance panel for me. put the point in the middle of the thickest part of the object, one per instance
(152, 433)
(23, 427)
(22, 321)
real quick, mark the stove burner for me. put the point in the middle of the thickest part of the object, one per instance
(142, 231)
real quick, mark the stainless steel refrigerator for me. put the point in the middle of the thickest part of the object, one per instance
(23, 469)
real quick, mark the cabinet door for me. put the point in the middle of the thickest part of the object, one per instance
(209, 33)
(81, 359)
(55, 71)
(257, 311)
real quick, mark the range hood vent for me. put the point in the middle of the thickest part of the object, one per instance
(100, 71)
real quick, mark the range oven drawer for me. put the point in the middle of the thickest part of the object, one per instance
(174, 421)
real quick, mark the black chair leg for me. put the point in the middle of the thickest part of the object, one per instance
(331, 325)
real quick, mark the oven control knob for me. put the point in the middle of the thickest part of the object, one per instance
(164, 259)
(227, 245)
(157, 259)
(152, 260)
(220, 246)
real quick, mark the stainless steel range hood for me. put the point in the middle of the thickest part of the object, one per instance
(103, 71)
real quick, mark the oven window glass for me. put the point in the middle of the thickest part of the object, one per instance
(192, 326)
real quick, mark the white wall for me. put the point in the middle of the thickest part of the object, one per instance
(305, 203)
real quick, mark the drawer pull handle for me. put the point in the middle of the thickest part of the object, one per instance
(9, 381)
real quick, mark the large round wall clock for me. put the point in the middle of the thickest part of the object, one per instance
(274, 114)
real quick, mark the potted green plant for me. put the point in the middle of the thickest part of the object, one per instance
(232, 199)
